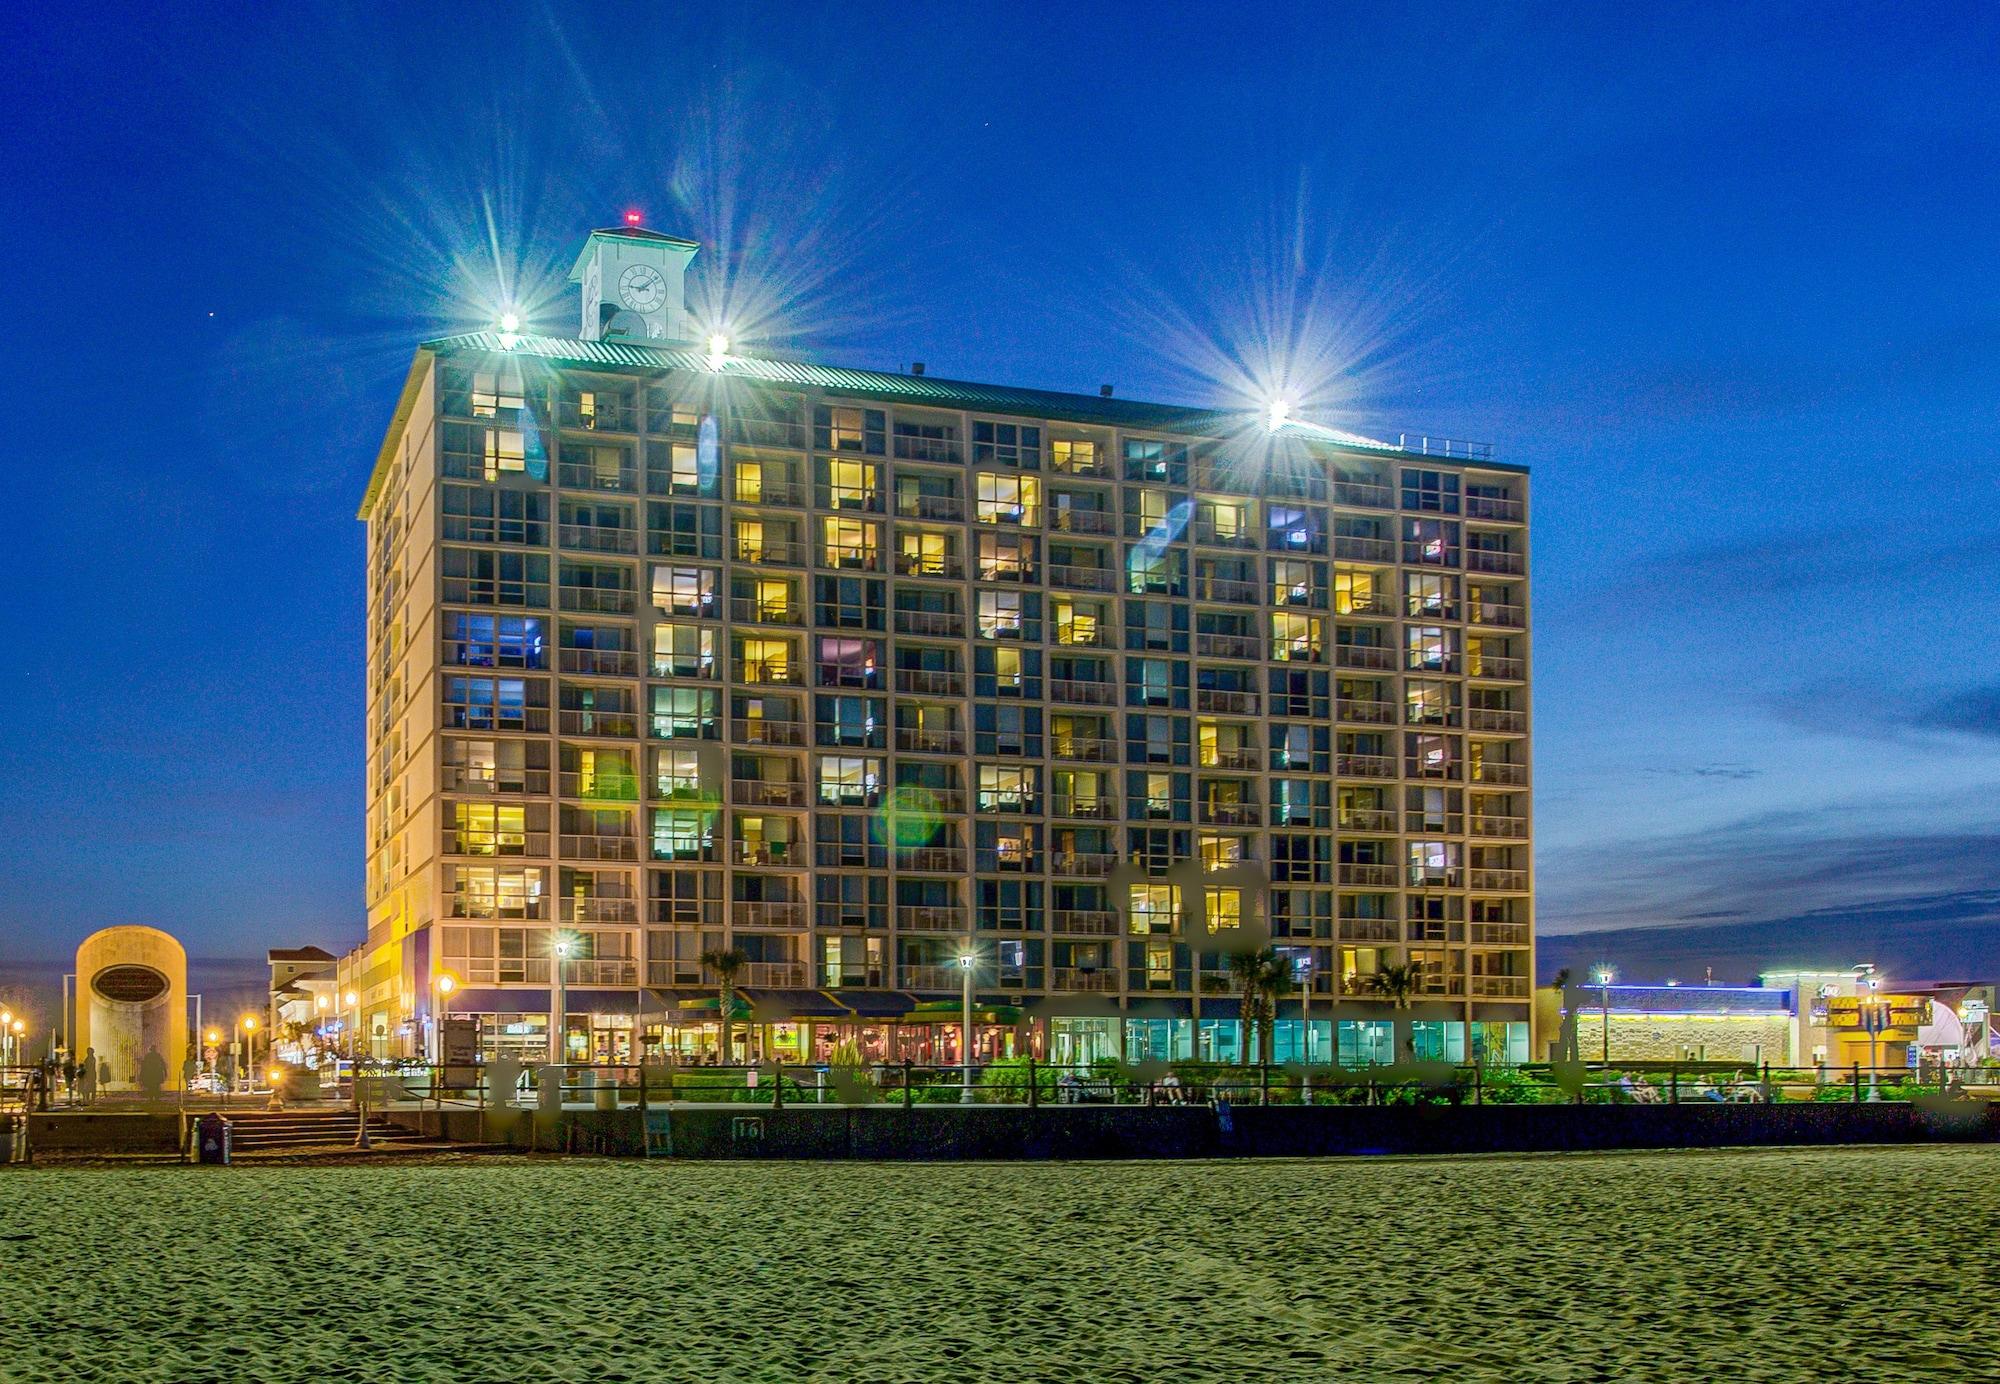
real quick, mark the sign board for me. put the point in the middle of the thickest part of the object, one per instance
(459, 1044)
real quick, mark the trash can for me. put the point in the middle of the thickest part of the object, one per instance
(606, 1093)
(211, 1139)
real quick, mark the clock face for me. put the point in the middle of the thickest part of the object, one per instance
(642, 288)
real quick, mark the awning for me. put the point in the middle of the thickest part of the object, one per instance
(1943, 1031)
(535, 1000)
(1162, 1007)
(775, 1006)
(874, 1004)
(949, 1012)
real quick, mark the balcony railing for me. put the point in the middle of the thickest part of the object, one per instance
(1500, 987)
(604, 785)
(769, 432)
(767, 732)
(480, 842)
(1370, 876)
(911, 740)
(929, 565)
(938, 624)
(763, 913)
(1354, 929)
(622, 480)
(1500, 934)
(1495, 508)
(1080, 692)
(945, 507)
(1374, 657)
(745, 611)
(766, 793)
(989, 861)
(598, 600)
(935, 799)
(931, 918)
(950, 978)
(1495, 613)
(1363, 549)
(620, 724)
(773, 975)
(770, 855)
(1077, 980)
(1496, 666)
(850, 855)
(1365, 713)
(930, 682)
(1489, 560)
(591, 846)
(1086, 922)
(1498, 722)
(1228, 701)
(772, 492)
(1083, 578)
(1498, 881)
(769, 672)
(769, 552)
(1088, 863)
(1494, 772)
(1505, 828)
(1246, 758)
(1363, 495)
(1091, 807)
(1227, 645)
(491, 781)
(932, 859)
(601, 663)
(1369, 607)
(482, 591)
(944, 450)
(598, 418)
(1090, 750)
(1367, 819)
(1225, 814)
(596, 539)
(1083, 521)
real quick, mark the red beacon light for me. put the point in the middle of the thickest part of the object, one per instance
(631, 218)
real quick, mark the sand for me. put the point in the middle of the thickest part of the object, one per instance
(1739, 1265)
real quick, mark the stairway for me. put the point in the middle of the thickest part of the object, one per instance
(258, 1131)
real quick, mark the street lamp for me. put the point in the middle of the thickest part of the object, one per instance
(247, 1049)
(561, 946)
(1873, 1019)
(352, 1001)
(1602, 975)
(967, 960)
(6, 1037)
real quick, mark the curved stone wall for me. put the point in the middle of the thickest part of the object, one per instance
(131, 1001)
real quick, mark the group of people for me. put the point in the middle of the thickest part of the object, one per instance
(76, 1080)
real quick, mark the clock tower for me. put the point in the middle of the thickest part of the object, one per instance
(633, 287)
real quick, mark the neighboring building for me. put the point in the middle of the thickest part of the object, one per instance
(303, 993)
(679, 649)
(1830, 1010)
(1672, 1023)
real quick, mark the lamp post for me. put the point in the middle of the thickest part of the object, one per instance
(1872, 1019)
(560, 948)
(445, 983)
(212, 1049)
(1603, 975)
(6, 1037)
(966, 961)
(353, 1002)
(247, 1025)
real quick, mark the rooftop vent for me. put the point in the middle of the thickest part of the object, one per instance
(917, 368)
(1104, 391)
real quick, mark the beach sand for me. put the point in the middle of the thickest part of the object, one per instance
(1809, 1265)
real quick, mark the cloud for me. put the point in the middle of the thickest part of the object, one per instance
(1729, 772)
(1755, 568)
(1974, 711)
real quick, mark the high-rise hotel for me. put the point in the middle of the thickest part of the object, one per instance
(675, 650)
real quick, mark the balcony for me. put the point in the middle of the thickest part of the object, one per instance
(1090, 807)
(484, 843)
(1373, 657)
(1498, 881)
(617, 724)
(766, 793)
(1226, 814)
(1226, 701)
(949, 508)
(1501, 828)
(599, 600)
(1498, 614)
(773, 975)
(856, 557)
(1088, 749)
(574, 475)
(930, 682)
(764, 913)
(769, 672)
(1226, 645)
(771, 492)
(1375, 819)
(932, 859)
(600, 663)
(1227, 589)
(600, 910)
(745, 611)
(485, 592)
(937, 624)
(1083, 922)
(769, 552)
(1207, 532)
(943, 450)
(1494, 666)
(1495, 508)
(1089, 864)
(931, 918)
(593, 538)
(767, 732)
(1370, 606)
(602, 785)
(1491, 560)
(490, 781)
(1357, 929)
(769, 855)
(1496, 722)
(1500, 935)
(1494, 772)
(1245, 758)
(595, 847)
(769, 432)
(1366, 713)
(1370, 876)
(1079, 692)
(911, 740)
(950, 978)
(950, 800)
(989, 861)
(1363, 495)
(571, 413)
(1077, 980)
(1500, 987)
(1363, 549)
(1097, 521)
(929, 565)
(1083, 578)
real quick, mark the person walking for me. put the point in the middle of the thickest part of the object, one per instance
(103, 1073)
(86, 1076)
(69, 1078)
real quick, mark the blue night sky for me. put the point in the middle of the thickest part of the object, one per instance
(1723, 277)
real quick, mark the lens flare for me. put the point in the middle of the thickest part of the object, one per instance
(910, 817)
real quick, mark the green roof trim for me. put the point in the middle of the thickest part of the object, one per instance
(1095, 410)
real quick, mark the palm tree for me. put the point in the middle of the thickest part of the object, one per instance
(1275, 984)
(1261, 976)
(725, 964)
(1397, 984)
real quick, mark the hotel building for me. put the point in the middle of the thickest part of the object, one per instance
(679, 649)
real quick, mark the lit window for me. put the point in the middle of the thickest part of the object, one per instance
(1221, 852)
(683, 651)
(1159, 798)
(849, 781)
(679, 773)
(764, 660)
(1159, 967)
(679, 834)
(1076, 455)
(683, 590)
(924, 554)
(1007, 669)
(504, 452)
(849, 542)
(492, 392)
(749, 482)
(491, 829)
(1009, 499)
(1005, 787)
(1430, 648)
(1225, 909)
(850, 484)
(1154, 908)
(1000, 618)
(1295, 638)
